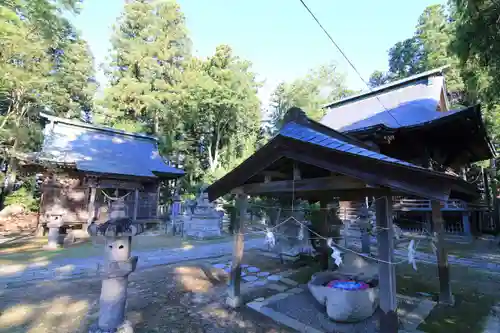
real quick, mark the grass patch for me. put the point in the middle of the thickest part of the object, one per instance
(473, 297)
(306, 267)
(475, 293)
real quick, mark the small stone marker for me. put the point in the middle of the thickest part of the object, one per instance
(253, 269)
(263, 274)
(259, 299)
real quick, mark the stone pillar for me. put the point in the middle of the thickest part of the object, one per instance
(115, 270)
(54, 224)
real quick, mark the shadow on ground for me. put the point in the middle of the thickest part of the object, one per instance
(185, 298)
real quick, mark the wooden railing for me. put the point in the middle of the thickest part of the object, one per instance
(406, 204)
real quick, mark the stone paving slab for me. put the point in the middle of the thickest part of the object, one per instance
(297, 309)
(89, 267)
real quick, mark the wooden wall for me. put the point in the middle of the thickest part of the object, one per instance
(64, 194)
(68, 194)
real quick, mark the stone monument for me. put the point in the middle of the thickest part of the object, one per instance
(204, 221)
(118, 231)
(292, 238)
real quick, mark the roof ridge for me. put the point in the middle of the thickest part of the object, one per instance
(387, 87)
(96, 127)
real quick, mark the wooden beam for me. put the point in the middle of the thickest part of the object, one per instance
(304, 185)
(387, 273)
(274, 174)
(296, 172)
(234, 299)
(445, 294)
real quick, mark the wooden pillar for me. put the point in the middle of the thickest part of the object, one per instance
(323, 230)
(387, 272)
(234, 292)
(466, 222)
(91, 207)
(157, 199)
(445, 295)
(136, 204)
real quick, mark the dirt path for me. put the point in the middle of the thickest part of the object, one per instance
(161, 299)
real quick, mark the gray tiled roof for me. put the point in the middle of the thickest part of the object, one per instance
(296, 131)
(103, 150)
(410, 105)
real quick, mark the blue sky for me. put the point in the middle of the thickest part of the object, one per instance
(278, 36)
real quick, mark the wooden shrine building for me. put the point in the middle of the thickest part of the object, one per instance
(411, 120)
(309, 161)
(88, 166)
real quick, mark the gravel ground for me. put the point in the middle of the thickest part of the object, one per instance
(182, 298)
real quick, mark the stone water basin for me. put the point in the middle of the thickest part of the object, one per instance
(348, 305)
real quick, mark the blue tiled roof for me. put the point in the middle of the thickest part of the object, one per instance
(102, 151)
(404, 106)
(296, 131)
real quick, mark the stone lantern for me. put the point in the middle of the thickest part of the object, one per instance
(118, 264)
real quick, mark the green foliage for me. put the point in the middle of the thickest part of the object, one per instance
(149, 47)
(475, 41)
(463, 39)
(425, 50)
(310, 93)
(44, 66)
(205, 111)
(22, 197)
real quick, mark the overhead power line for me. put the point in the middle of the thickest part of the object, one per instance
(346, 58)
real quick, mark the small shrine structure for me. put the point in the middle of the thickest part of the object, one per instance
(312, 162)
(86, 167)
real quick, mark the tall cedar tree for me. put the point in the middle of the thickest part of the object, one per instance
(149, 46)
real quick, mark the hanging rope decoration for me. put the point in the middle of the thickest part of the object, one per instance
(433, 243)
(301, 233)
(114, 198)
(412, 254)
(336, 253)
